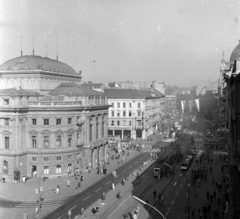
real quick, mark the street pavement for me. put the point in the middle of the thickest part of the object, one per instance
(22, 196)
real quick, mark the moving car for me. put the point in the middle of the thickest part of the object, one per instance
(185, 165)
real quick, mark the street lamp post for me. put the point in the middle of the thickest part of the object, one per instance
(145, 203)
(40, 189)
(188, 198)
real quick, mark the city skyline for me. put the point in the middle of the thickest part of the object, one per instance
(178, 42)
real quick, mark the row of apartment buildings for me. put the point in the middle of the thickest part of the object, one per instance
(229, 118)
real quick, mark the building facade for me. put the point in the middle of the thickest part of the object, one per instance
(134, 113)
(53, 131)
(230, 111)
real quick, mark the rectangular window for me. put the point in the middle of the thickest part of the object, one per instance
(58, 121)
(6, 101)
(69, 157)
(124, 105)
(112, 123)
(139, 113)
(69, 140)
(46, 170)
(130, 105)
(46, 158)
(58, 141)
(46, 121)
(130, 113)
(59, 158)
(7, 143)
(78, 138)
(112, 105)
(118, 122)
(97, 128)
(69, 121)
(139, 105)
(20, 101)
(34, 121)
(103, 124)
(112, 113)
(34, 141)
(58, 169)
(34, 159)
(130, 123)
(90, 130)
(118, 105)
(7, 122)
(46, 141)
(118, 114)
(124, 113)
(69, 167)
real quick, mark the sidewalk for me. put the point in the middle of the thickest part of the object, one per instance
(26, 191)
(209, 186)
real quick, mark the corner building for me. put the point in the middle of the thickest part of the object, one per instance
(49, 123)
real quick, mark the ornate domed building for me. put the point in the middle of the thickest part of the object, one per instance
(49, 123)
(36, 73)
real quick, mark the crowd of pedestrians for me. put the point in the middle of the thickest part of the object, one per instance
(216, 198)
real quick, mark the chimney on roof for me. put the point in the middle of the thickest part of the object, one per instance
(21, 47)
(57, 51)
(33, 45)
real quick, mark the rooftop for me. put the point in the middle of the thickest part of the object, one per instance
(32, 62)
(132, 93)
(74, 89)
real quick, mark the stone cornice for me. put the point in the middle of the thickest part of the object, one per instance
(42, 152)
(53, 109)
(39, 72)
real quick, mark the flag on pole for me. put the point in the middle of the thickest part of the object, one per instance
(190, 102)
(197, 103)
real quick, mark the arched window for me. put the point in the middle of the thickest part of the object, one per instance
(5, 167)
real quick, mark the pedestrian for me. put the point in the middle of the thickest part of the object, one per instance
(218, 200)
(123, 181)
(162, 199)
(25, 216)
(208, 195)
(155, 194)
(82, 211)
(214, 194)
(159, 196)
(198, 210)
(137, 210)
(118, 195)
(68, 183)
(69, 214)
(209, 207)
(211, 198)
(79, 184)
(213, 180)
(113, 186)
(103, 196)
(57, 190)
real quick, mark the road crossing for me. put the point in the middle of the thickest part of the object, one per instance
(199, 139)
(154, 150)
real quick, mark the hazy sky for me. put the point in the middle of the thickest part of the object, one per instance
(177, 41)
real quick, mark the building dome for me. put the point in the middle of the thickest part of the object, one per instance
(235, 54)
(32, 62)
